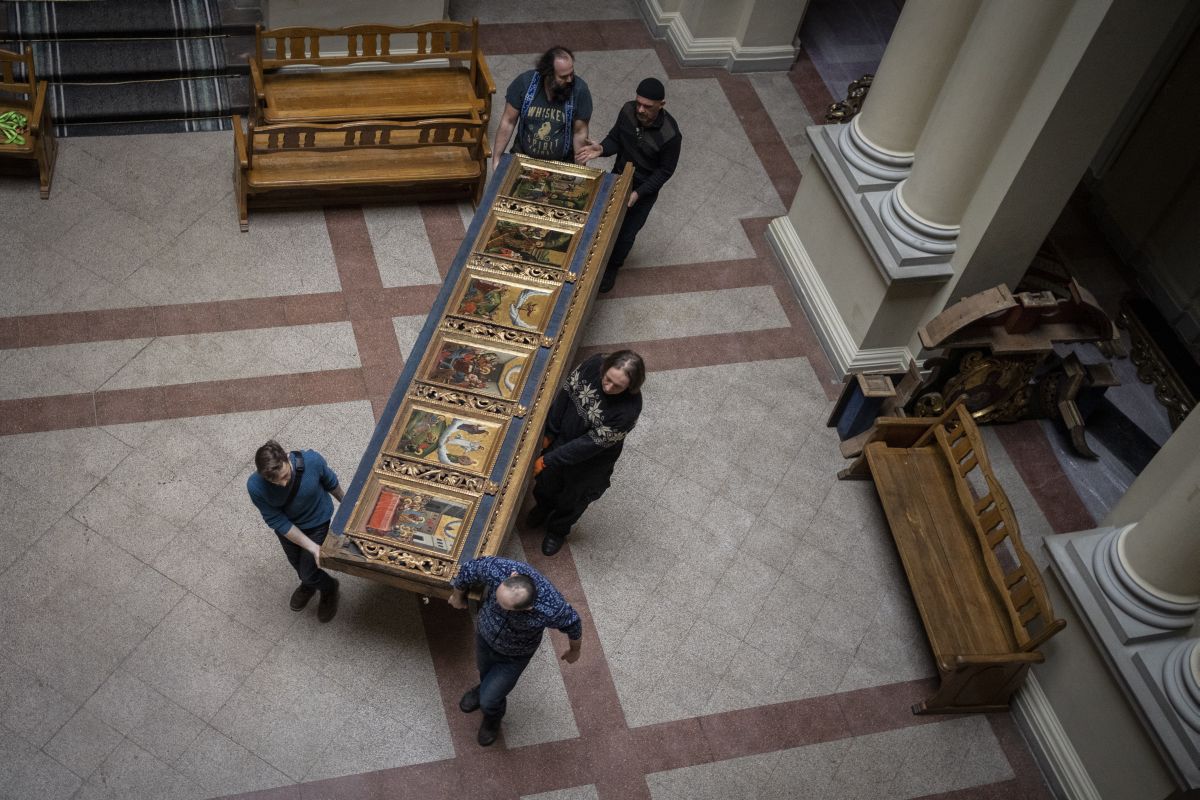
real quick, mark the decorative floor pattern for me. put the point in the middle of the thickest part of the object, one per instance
(748, 632)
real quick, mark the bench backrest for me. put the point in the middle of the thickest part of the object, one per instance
(13, 79)
(391, 135)
(1013, 573)
(354, 44)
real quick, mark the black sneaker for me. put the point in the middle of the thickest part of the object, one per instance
(536, 517)
(469, 701)
(327, 608)
(608, 282)
(301, 596)
(551, 544)
(488, 730)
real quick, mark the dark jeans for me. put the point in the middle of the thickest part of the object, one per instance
(302, 561)
(635, 218)
(498, 675)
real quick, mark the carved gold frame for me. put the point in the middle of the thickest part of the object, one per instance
(493, 403)
(543, 208)
(411, 405)
(495, 217)
(357, 528)
(521, 282)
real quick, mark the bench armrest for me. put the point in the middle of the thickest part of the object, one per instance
(239, 144)
(484, 83)
(39, 107)
(256, 81)
(966, 662)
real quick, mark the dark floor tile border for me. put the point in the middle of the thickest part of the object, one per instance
(1031, 453)
(768, 145)
(811, 88)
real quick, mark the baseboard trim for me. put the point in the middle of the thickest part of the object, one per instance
(713, 51)
(1053, 748)
(839, 345)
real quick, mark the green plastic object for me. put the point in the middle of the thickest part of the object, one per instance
(11, 125)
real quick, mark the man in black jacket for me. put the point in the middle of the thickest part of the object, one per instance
(648, 136)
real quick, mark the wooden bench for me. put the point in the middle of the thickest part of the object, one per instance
(303, 164)
(363, 72)
(23, 93)
(979, 594)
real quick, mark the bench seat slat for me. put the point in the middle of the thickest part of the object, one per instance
(949, 581)
(365, 166)
(364, 94)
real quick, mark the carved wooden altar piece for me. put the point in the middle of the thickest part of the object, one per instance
(997, 352)
(444, 475)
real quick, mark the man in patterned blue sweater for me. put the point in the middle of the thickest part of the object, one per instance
(292, 492)
(519, 603)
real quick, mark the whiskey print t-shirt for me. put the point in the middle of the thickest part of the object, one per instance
(544, 132)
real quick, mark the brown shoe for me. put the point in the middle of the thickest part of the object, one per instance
(327, 608)
(301, 596)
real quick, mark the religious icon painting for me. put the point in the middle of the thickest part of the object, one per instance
(446, 438)
(476, 365)
(520, 238)
(403, 514)
(499, 299)
(553, 184)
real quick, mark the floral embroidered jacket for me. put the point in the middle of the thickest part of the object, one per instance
(585, 424)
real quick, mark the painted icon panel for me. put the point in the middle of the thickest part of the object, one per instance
(502, 300)
(423, 518)
(447, 438)
(475, 365)
(527, 241)
(553, 188)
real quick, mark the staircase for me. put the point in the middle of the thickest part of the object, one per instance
(137, 66)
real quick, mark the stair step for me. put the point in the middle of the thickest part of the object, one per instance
(68, 20)
(125, 59)
(157, 99)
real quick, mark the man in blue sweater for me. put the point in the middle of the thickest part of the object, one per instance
(292, 494)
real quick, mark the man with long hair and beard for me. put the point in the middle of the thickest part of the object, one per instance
(549, 107)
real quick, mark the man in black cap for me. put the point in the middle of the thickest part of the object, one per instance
(648, 136)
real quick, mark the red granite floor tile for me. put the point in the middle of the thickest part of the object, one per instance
(671, 745)
(10, 332)
(291, 792)
(331, 386)
(121, 323)
(885, 708)
(405, 301)
(352, 250)
(44, 330)
(811, 87)
(309, 309)
(60, 412)
(733, 734)
(1031, 453)
(119, 406)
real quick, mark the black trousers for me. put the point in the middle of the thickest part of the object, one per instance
(305, 565)
(566, 493)
(635, 219)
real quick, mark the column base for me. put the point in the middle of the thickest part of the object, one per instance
(844, 353)
(1142, 664)
(899, 258)
(713, 51)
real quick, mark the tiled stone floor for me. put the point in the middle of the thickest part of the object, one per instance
(748, 629)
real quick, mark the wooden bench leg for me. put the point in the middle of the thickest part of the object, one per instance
(239, 191)
(47, 154)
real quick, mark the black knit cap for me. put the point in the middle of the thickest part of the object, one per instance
(651, 89)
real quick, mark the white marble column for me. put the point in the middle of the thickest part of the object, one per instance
(1003, 52)
(1151, 566)
(880, 141)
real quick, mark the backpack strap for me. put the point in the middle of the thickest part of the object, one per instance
(531, 92)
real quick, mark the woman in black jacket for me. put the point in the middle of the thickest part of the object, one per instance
(598, 405)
